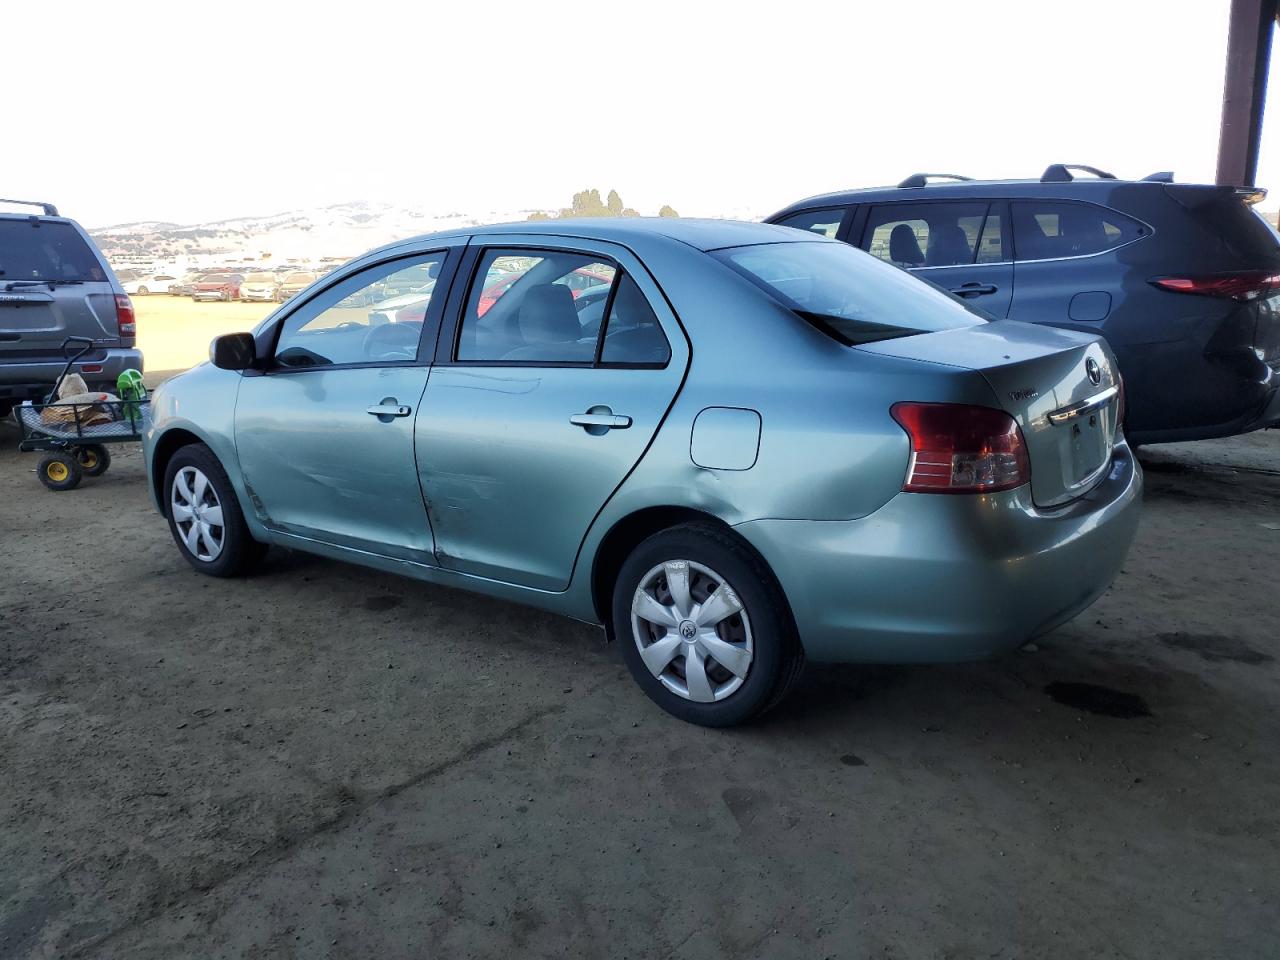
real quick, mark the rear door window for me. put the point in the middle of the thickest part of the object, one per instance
(535, 306)
(825, 223)
(45, 250)
(913, 235)
(1050, 229)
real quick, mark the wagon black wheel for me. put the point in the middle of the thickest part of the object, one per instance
(60, 471)
(94, 459)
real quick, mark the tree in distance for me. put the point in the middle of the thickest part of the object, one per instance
(587, 203)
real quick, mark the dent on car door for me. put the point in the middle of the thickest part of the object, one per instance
(961, 245)
(325, 432)
(540, 404)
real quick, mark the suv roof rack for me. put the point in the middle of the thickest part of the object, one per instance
(49, 209)
(922, 179)
(1061, 172)
(1160, 176)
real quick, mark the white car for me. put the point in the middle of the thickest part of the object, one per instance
(260, 286)
(152, 283)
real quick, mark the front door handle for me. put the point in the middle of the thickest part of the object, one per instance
(599, 422)
(388, 410)
(974, 289)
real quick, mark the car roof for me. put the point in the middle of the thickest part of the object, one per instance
(701, 234)
(1092, 189)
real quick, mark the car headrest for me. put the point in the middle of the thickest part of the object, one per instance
(948, 245)
(547, 315)
(904, 247)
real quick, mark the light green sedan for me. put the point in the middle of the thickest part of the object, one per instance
(745, 447)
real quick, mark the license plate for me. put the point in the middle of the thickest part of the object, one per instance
(1088, 445)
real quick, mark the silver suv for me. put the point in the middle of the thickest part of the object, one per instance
(55, 283)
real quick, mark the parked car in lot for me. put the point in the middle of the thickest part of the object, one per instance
(185, 285)
(260, 287)
(151, 283)
(293, 284)
(1183, 280)
(774, 447)
(57, 284)
(217, 286)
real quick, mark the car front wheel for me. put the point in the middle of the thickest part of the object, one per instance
(205, 517)
(704, 628)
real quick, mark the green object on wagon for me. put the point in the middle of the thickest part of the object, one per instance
(131, 390)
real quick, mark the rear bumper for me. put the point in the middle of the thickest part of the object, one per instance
(935, 578)
(31, 379)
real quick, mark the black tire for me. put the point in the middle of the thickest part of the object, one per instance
(239, 551)
(59, 471)
(778, 656)
(94, 459)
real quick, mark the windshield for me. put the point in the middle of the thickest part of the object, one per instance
(847, 293)
(299, 278)
(45, 250)
(260, 278)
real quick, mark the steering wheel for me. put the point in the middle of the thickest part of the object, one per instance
(392, 341)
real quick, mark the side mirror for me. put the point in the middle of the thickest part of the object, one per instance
(233, 351)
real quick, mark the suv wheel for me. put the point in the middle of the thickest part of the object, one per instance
(205, 517)
(704, 629)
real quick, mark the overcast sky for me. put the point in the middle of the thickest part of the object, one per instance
(191, 112)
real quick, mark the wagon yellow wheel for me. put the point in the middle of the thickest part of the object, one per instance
(59, 471)
(93, 459)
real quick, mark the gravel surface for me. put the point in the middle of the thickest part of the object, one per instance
(326, 761)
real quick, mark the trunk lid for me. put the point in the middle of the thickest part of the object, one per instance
(1045, 379)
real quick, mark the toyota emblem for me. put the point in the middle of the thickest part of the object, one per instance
(1095, 372)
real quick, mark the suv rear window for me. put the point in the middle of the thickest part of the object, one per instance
(45, 250)
(847, 294)
(825, 223)
(1048, 230)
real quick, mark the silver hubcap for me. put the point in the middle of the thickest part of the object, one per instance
(692, 631)
(197, 514)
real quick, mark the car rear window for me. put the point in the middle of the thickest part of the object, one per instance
(45, 250)
(847, 294)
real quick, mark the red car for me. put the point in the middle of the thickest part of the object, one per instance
(217, 286)
(584, 278)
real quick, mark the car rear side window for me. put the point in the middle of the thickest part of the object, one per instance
(933, 234)
(535, 306)
(633, 336)
(1049, 230)
(825, 223)
(45, 250)
(846, 294)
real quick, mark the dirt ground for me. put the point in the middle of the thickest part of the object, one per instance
(328, 762)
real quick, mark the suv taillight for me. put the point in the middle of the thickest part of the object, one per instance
(1236, 286)
(125, 322)
(957, 448)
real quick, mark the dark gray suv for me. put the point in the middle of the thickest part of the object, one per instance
(1183, 280)
(54, 284)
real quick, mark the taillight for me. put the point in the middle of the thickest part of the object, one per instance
(1235, 286)
(125, 322)
(956, 448)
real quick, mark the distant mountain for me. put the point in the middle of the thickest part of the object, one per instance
(342, 230)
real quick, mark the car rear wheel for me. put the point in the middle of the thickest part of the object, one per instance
(205, 517)
(704, 628)
(143, 291)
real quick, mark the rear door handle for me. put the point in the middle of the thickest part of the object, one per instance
(974, 289)
(608, 421)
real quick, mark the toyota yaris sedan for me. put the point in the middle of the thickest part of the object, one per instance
(760, 447)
